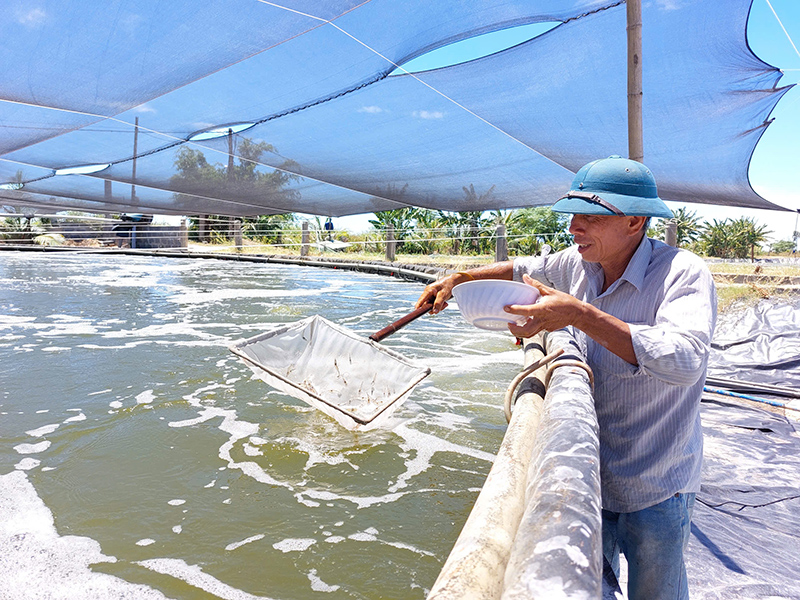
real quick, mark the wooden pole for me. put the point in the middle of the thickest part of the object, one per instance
(501, 245)
(304, 239)
(634, 29)
(390, 243)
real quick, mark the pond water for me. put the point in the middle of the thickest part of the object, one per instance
(139, 458)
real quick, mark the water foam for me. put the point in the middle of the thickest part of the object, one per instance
(196, 577)
(32, 551)
(294, 544)
(235, 545)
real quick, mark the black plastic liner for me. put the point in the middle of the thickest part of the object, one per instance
(745, 539)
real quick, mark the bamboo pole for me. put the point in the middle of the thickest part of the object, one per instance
(634, 30)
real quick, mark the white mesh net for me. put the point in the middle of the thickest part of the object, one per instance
(352, 379)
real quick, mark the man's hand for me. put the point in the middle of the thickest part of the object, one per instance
(439, 292)
(553, 311)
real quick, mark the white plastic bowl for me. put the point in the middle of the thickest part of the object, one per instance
(481, 301)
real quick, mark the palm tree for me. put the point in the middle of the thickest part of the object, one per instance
(733, 238)
(688, 223)
(530, 228)
(749, 234)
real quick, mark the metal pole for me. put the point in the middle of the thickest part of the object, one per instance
(135, 152)
(634, 29)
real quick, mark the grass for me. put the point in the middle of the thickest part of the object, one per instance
(747, 268)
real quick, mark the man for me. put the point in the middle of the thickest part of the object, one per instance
(646, 313)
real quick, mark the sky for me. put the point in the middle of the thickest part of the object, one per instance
(774, 36)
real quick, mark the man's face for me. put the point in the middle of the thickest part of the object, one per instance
(601, 238)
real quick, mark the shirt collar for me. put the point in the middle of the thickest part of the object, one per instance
(637, 267)
(634, 273)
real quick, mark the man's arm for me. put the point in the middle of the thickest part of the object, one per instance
(556, 310)
(439, 292)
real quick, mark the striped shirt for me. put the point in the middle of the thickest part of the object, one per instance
(651, 443)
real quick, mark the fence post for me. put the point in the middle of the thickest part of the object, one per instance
(237, 234)
(184, 235)
(304, 239)
(390, 243)
(501, 244)
(202, 228)
(671, 233)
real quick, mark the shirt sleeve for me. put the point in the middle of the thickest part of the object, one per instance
(676, 348)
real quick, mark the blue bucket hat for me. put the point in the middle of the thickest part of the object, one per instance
(613, 186)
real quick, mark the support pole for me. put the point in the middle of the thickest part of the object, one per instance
(391, 245)
(237, 234)
(501, 245)
(634, 29)
(135, 152)
(304, 239)
(184, 235)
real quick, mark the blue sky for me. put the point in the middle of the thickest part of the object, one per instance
(777, 157)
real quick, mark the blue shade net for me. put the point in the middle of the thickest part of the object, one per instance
(309, 112)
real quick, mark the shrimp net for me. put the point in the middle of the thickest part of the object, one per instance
(352, 379)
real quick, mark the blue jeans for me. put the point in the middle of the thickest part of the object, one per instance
(653, 540)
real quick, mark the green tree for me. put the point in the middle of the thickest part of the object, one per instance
(530, 228)
(426, 229)
(242, 180)
(269, 229)
(688, 227)
(735, 238)
(749, 235)
(401, 219)
(782, 247)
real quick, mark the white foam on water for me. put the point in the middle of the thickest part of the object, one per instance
(100, 392)
(32, 448)
(318, 585)
(176, 502)
(409, 547)
(163, 333)
(425, 446)
(252, 450)
(26, 464)
(294, 544)
(146, 397)
(146, 542)
(235, 545)
(56, 349)
(368, 535)
(237, 430)
(32, 551)
(76, 418)
(194, 576)
(44, 430)
(115, 404)
(177, 529)
(202, 297)
(335, 539)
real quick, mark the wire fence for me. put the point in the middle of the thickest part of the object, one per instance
(227, 234)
